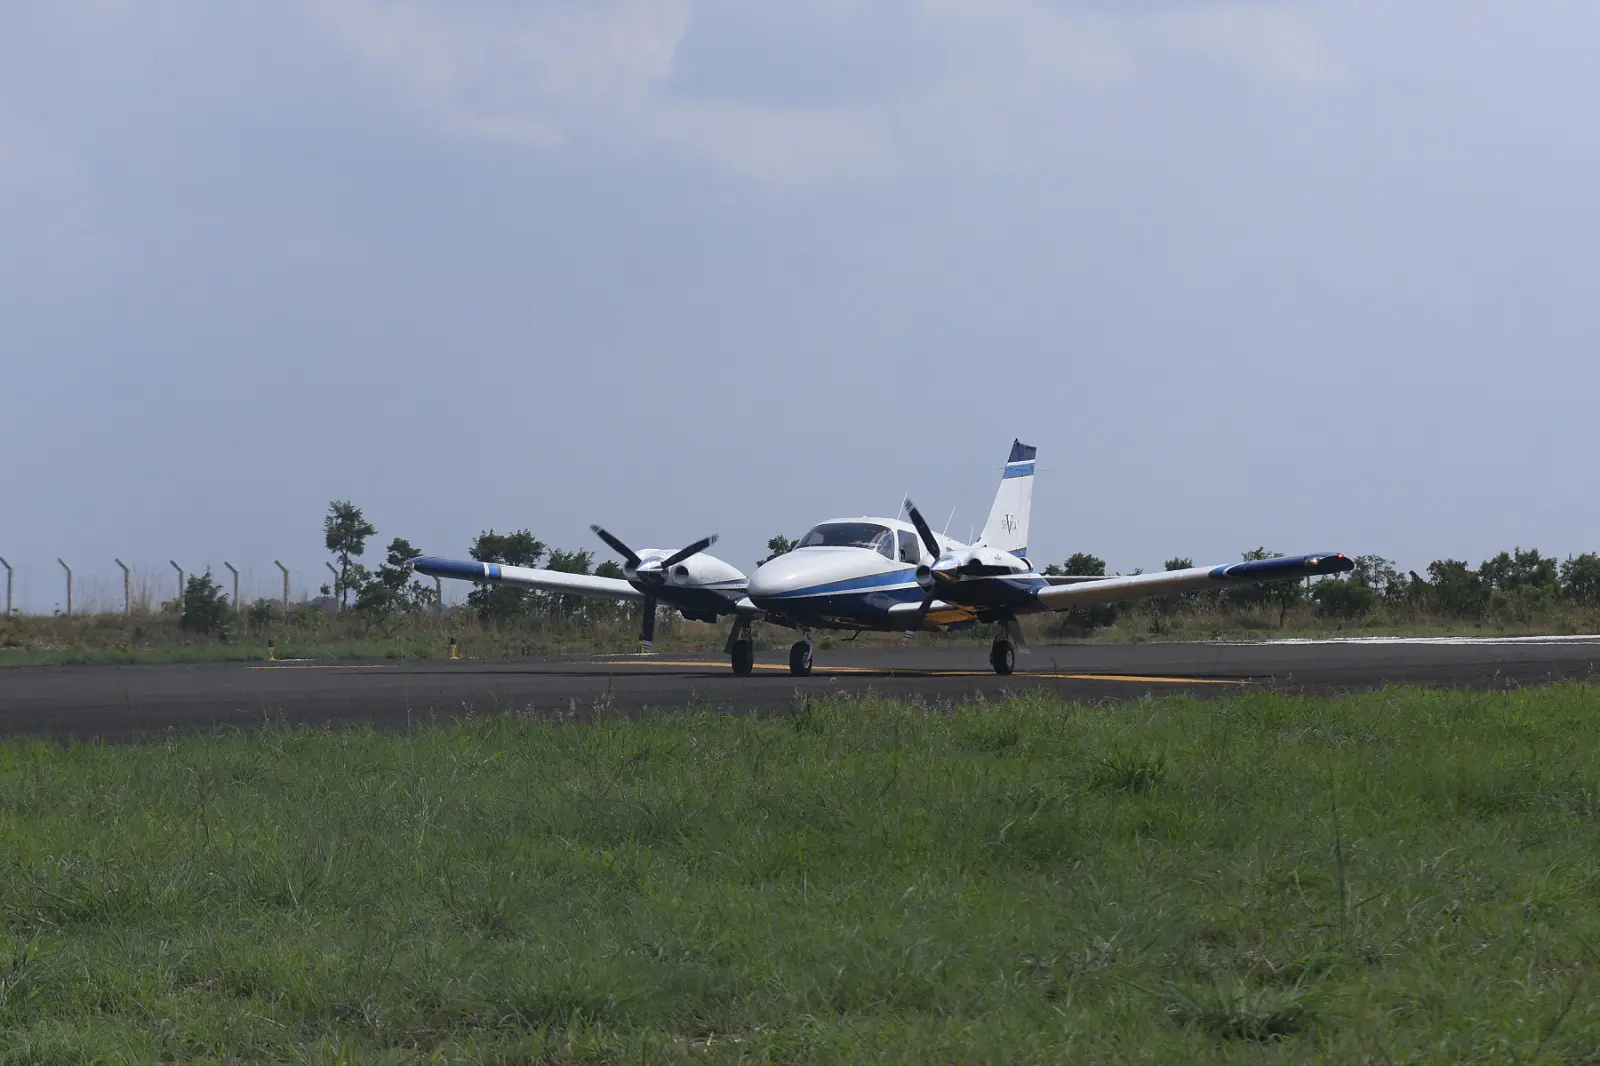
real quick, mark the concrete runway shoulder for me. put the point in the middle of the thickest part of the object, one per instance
(129, 702)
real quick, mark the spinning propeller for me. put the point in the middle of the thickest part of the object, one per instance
(650, 572)
(925, 574)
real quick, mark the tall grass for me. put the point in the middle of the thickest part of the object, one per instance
(155, 636)
(1397, 876)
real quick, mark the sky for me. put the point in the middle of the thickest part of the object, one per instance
(1305, 275)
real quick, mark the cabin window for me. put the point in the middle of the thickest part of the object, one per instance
(910, 548)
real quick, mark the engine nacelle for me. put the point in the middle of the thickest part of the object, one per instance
(977, 561)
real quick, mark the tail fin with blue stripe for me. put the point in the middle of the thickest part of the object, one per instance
(1007, 528)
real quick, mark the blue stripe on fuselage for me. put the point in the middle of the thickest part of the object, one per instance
(904, 575)
(868, 599)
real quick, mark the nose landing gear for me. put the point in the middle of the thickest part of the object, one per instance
(1003, 656)
(800, 657)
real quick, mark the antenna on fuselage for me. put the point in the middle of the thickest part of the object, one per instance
(947, 522)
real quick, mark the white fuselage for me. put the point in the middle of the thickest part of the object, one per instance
(863, 573)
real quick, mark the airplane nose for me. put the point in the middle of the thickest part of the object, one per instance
(777, 576)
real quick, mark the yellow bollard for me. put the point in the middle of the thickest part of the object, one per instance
(452, 649)
(272, 654)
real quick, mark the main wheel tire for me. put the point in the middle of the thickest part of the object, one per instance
(1003, 656)
(800, 659)
(744, 657)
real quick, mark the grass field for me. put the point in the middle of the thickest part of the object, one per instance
(1398, 876)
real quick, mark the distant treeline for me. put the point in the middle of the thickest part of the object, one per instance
(1514, 587)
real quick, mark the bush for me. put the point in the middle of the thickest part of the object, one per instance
(1343, 599)
(205, 608)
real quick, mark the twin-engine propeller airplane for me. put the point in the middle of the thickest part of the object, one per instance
(879, 574)
(886, 574)
(702, 587)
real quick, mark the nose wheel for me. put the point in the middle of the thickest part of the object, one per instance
(800, 659)
(1003, 656)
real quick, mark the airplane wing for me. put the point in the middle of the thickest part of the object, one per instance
(1138, 586)
(610, 588)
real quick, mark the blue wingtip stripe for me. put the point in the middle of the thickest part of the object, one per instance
(456, 568)
(1293, 566)
(1024, 469)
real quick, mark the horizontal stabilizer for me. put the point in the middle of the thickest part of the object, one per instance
(1139, 586)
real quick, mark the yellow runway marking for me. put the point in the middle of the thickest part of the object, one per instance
(325, 666)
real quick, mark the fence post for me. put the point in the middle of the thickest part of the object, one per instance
(235, 574)
(179, 569)
(338, 600)
(127, 587)
(285, 570)
(8, 586)
(68, 569)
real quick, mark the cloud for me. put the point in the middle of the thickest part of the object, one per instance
(547, 74)
(1274, 44)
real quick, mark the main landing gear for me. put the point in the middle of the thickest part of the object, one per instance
(742, 648)
(1003, 652)
(1003, 656)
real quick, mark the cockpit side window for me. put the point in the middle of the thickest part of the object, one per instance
(910, 548)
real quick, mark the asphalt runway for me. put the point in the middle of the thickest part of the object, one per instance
(132, 702)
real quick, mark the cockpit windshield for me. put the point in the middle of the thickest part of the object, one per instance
(850, 535)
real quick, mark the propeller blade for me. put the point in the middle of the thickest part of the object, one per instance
(617, 545)
(647, 626)
(923, 529)
(683, 553)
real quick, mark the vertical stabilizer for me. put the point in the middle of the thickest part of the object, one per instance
(1007, 528)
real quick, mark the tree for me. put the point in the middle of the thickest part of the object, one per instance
(1456, 589)
(1378, 574)
(205, 608)
(345, 531)
(1580, 580)
(395, 587)
(500, 602)
(1079, 564)
(779, 545)
(1520, 571)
